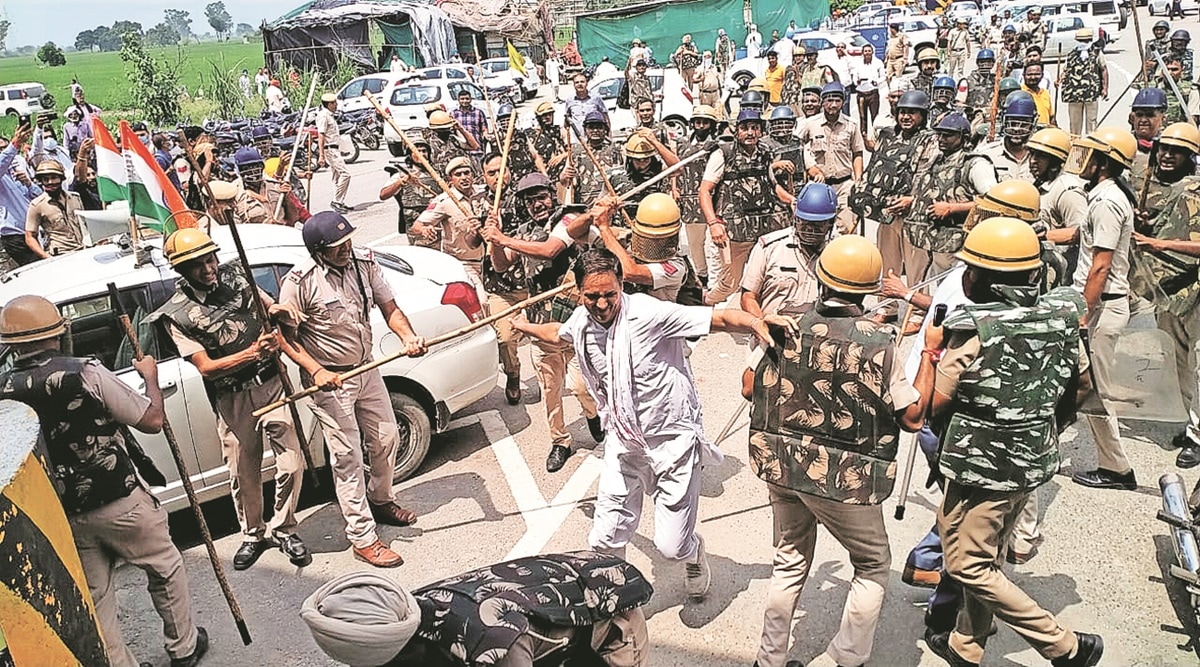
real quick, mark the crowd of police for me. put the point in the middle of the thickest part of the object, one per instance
(1025, 248)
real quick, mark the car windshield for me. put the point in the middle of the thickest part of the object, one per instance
(410, 95)
(35, 91)
(495, 66)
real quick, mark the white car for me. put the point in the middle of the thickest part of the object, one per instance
(1163, 7)
(1060, 33)
(497, 87)
(20, 99)
(921, 32)
(431, 289)
(350, 97)
(528, 81)
(407, 102)
(674, 100)
(742, 71)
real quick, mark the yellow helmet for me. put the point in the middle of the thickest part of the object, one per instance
(440, 120)
(704, 111)
(271, 167)
(1051, 141)
(927, 53)
(1115, 143)
(544, 107)
(639, 147)
(850, 264)
(1014, 199)
(30, 318)
(655, 229)
(1184, 135)
(187, 244)
(1002, 244)
(222, 190)
(758, 83)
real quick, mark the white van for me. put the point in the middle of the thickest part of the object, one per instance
(20, 99)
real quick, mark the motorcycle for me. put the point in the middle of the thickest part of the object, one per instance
(367, 129)
(1184, 531)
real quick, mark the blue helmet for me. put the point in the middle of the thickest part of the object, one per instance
(782, 112)
(1009, 28)
(985, 54)
(246, 156)
(749, 116)
(1150, 98)
(816, 202)
(595, 118)
(954, 122)
(945, 82)
(1019, 103)
(914, 99)
(834, 88)
(325, 230)
(753, 98)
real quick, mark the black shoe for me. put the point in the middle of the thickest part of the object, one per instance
(939, 643)
(248, 553)
(1105, 479)
(1189, 456)
(294, 549)
(1091, 648)
(557, 458)
(1180, 440)
(340, 207)
(201, 649)
(512, 389)
(596, 429)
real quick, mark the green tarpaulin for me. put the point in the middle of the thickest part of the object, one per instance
(775, 14)
(398, 38)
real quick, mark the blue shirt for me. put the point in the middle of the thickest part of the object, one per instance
(14, 197)
(578, 109)
(163, 158)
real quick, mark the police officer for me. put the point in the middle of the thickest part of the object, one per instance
(1183, 106)
(256, 200)
(1147, 116)
(334, 292)
(834, 151)
(546, 243)
(1063, 203)
(942, 196)
(260, 139)
(927, 67)
(792, 442)
(981, 83)
(687, 185)
(447, 139)
(785, 145)
(445, 225)
(741, 202)
(896, 55)
(793, 77)
(439, 625)
(1160, 42)
(944, 90)
(958, 45)
(1179, 47)
(781, 270)
(1165, 267)
(1009, 154)
(212, 320)
(329, 150)
(1084, 81)
(580, 174)
(522, 158)
(652, 264)
(1102, 276)
(644, 159)
(810, 100)
(549, 142)
(992, 460)
(504, 288)
(411, 187)
(902, 151)
(85, 412)
(53, 213)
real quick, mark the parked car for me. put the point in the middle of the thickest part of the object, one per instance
(1163, 7)
(20, 99)
(431, 288)
(528, 81)
(350, 97)
(674, 108)
(743, 70)
(407, 103)
(497, 87)
(1060, 33)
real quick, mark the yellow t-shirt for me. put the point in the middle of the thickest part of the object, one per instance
(1045, 104)
(774, 79)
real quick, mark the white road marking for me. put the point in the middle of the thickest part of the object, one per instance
(542, 519)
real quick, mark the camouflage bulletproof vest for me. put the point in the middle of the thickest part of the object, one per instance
(746, 199)
(442, 151)
(514, 278)
(477, 616)
(1175, 108)
(89, 464)
(589, 185)
(520, 156)
(1002, 433)
(722, 56)
(793, 151)
(624, 178)
(980, 87)
(689, 57)
(945, 180)
(890, 173)
(822, 420)
(548, 142)
(1081, 76)
(413, 199)
(546, 274)
(817, 75)
(687, 179)
(1171, 280)
(924, 82)
(793, 78)
(1185, 60)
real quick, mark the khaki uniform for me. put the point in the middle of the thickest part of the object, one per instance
(1008, 168)
(896, 56)
(327, 127)
(832, 147)
(337, 334)
(456, 233)
(779, 272)
(56, 218)
(958, 43)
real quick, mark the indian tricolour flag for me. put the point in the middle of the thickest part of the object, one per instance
(131, 173)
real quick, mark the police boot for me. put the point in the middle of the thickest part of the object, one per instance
(939, 643)
(557, 458)
(1087, 652)
(201, 649)
(248, 553)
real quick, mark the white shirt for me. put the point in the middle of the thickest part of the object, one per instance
(638, 53)
(867, 76)
(783, 48)
(841, 66)
(398, 65)
(753, 44)
(664, 391)
(605, 69)
(948, 292)
(274, 98)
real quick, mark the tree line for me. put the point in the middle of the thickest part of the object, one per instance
(175, 28)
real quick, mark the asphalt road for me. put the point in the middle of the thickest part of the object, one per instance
(483, 496)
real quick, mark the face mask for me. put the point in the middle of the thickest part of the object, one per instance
(50, 144)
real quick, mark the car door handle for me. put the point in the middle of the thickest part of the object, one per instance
(167, 388)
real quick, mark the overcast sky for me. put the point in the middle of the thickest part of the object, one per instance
(37, 22)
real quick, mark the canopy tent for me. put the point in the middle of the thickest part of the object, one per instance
(317, 33)
(661, 25)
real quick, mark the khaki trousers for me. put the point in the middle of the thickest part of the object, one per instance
(860, 530)
(134, 530)
(341, 175)
(725, 278)
(508, 338)
(1026, 528)
(696, 233)
(958, 64)
(356, 417)
(1185, 332)
(890, 240)
(895, 67)
(1082, 116)
(557, 368)
(916, 260)
(1105, 325)
(974, 523)
(241, 436)
(847, 221)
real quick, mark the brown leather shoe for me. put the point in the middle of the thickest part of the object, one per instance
(921, 578)
(392, 514)
(379, 555)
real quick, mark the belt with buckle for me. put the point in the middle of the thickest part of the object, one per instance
(1108, 296)
(837, 181)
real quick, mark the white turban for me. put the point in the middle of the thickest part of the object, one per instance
(361, 619)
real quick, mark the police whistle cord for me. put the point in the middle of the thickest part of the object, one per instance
(603, 174)
(186, 480)
(287, 172)
(416, 156)
(512, 123)
(663, 174)
(437, 340)
(264, 316)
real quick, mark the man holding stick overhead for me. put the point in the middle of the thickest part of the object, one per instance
(333, 295)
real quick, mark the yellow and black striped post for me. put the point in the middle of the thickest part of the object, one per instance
(46, 613)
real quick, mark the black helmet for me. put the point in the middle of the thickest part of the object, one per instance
(1161, 24)
(534, 181)
(753, 98)
(914, 99)
(504, 111)
(326, 230)
(1181, 35)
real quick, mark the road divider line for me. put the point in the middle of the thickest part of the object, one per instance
(543, 524)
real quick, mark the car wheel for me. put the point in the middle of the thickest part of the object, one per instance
(415, 434)
(743, 79)
(676, 126)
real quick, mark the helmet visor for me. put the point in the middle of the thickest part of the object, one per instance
(813, 233)
(1078, 158)
(1017, 127)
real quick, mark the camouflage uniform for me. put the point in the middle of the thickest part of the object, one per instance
(893, 166)
(1081, 75)
(624, 178)
(1185, 59)
(687, 184)
(1163, 46)
(981, 86)
(815, 75)
(922, 81)
(413, 199)
(1176, 108)
(548, 142)
(589, 185)
(793, 82)
(443, 150)
(823, 435)
(639, 87)
(945, 180)
(520, 155)
(746, 201)
(722, 53)
(793, 151)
